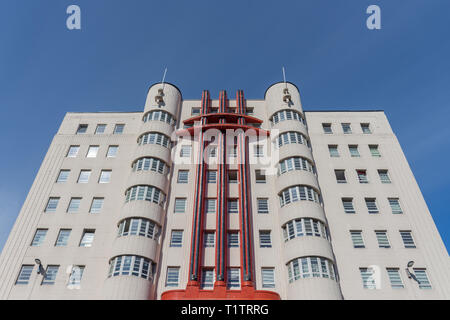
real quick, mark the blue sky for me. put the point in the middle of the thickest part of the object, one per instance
(123, 46)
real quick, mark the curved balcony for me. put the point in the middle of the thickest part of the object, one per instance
(154, 150)
(128, 287)
(314, 289)
(171, 98)
(135, 245)
(275, 101)
(148, 177)
(293, 150)
(307, 246)
(296, 177)
(301, 209)
(157, 126)
(289, 125)
(142, 208)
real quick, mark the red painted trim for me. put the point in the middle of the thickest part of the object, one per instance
(232, 117)
(223, 126)
(220, 292)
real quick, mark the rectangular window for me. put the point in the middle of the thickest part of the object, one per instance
(265, 240)
(74, 205)
(348, 205)
(210, 205)
(84, 176)
(207, 280)
(185, 151)
(357, 239)
(249, 111)
(63, 238)
(233, 206)
(374, 151)
(172, 276)
(105, 176)
(368, 279)
(209, 239)
(395, 205)
(87, 238)
(180, 205)
(353, 150)
(233, 239)
(234, 278)
(82, 128)
(112, 151)
(232, 176)
(52, 204)
(365, 127)
(407, 238)
(50, 275)
(382, 238)
(233, 151)
(340, 176)
(39, 237)
(211, 176)
(176, 238)
(24, 274)
(100, 129)
(384, 176)
(268, 277)
(118, 129)
(73, 151)
(63, 176)
(260, 176)
(96, 206)
(263, 205)
(183, 176)
(346, 128)
(333, 149)
(421, 275)
(258, 151)
(371, 205)
(195, 111)
(327, 128)
(394, 278)
(362, 176)
(75, 275)
(92, 152)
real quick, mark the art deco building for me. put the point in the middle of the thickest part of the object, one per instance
(225, 198)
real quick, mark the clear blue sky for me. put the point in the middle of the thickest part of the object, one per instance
(123, 47)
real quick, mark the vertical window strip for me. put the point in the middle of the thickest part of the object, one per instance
(298, 193)
(145, 192)
(131, 265)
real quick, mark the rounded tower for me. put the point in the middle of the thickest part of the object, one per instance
(307, 251)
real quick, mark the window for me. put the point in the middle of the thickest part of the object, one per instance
(298, 193)
(180, 205)
(304, 227)
(210, 205)
(24, 274)
(131, 265)
(365, 128)
(395, 205)
(292, 137)
(333, 149)
(374, 151)
(233, 151)
(50, 275)
(357, 239)
(185, 151)
(421, 275)
(74, 205)
(92, 152)
(52, 204)
(353, 150)
(105, 176)
(371, 205)
(384, 177)
(268, 277)
(176, 238)
(84, 176)
(39, 237)
(158, 115)
(348, 205)
(308, 267)
(258, 151)
(207, 280)
(183, 176)
(287, 115)
(233, 239)
(209, 239)
(155, 138)
(145, 192)
(264, 239)
(368, 279)
(112, 151)
(73, 151)
(75, 275)
(234, 278)
(118, 129)
(138, 227)
(96, 205)
(172, 276)
(340, 176)
(362, 176)
(152, 164)
(195, 111)
(211, 176)
(295, 163)
(407, 238)
(233, 206)
(382, 238)
(82, 128)
(327, 128)
(260, 176)
(212, 152)
(232, 176)
(346, 128)
(100, 129)
(87, 238)
(63, 238)
(63, 176)
(394, 278)
(263, 205)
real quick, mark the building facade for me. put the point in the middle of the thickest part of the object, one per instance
(225, 198)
